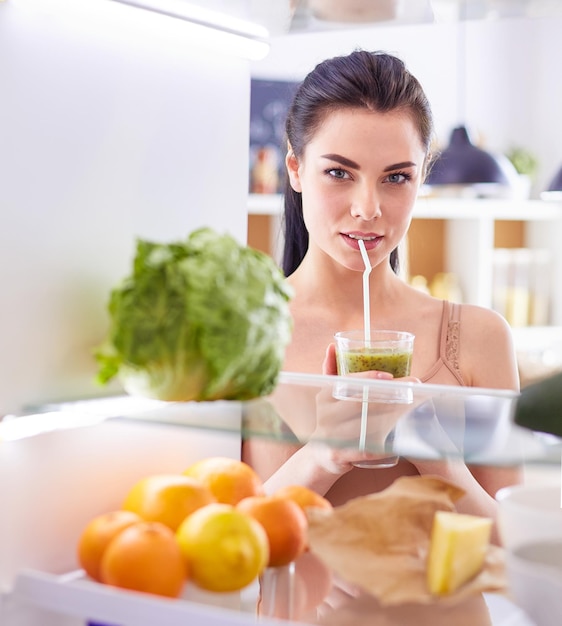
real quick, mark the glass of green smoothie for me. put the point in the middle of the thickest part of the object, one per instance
(381, 350)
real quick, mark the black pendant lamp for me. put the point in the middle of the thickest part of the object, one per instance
(463, 163)
(554, 191)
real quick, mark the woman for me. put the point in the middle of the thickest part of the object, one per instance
(359, 132)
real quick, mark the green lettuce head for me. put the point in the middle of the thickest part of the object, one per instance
(203, 319)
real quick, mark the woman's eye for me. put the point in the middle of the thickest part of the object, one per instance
(337, 173)
(398, 177)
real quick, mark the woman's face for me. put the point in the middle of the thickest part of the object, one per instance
(359, 177)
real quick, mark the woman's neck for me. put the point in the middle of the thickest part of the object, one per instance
(331, 283)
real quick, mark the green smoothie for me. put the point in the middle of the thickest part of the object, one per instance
(397, 363)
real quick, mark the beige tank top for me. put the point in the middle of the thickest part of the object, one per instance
(446, 370)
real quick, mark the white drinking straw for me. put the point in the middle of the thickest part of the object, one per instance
(366, 298)
(367, 331)
(364, 415)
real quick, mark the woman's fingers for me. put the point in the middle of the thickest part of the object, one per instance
(409, 379)
(380, 375)
(329, 366)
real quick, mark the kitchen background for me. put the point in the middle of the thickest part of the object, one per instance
(115, 125)
(511, 81)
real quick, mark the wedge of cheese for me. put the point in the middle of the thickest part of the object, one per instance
(457, 550)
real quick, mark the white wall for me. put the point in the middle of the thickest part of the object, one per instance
(512, 89)
(112, 126)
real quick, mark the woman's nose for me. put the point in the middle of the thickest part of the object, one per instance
(366, 205)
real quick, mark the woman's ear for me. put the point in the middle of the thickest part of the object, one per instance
(292, 164)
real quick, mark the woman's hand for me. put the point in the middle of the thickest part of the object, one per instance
(334, 443)
(350, 429)
(329, 431)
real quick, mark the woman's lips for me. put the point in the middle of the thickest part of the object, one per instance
(371, 240)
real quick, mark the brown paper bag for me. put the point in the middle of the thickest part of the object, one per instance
(380, 542)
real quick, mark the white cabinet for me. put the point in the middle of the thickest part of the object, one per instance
(470, 226)
(469, 244)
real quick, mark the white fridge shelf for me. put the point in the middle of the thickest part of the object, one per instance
(74, 595)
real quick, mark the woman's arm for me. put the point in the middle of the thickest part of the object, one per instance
(480, 485)
(313, 465)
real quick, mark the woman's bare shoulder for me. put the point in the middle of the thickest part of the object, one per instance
(487, 349)
(478, 319)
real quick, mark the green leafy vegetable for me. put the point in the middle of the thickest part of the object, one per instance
(203, 319)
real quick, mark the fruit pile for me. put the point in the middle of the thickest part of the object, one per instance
(211, 525)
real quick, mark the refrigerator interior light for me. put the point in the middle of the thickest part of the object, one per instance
(224, 32)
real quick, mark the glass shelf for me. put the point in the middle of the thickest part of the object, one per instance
(418, 421)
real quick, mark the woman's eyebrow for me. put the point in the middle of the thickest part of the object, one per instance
(342, 160)
(338, 158)
(399, 166)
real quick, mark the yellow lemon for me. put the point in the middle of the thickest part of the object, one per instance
(224, 549)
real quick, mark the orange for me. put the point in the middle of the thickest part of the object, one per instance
(145, 557)
(225, 550)
(303, 496)
(97, 535)
(229, 480)
(167, 498)
(285, 524)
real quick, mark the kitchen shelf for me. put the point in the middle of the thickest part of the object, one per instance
(265, 204)
(443, 208)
